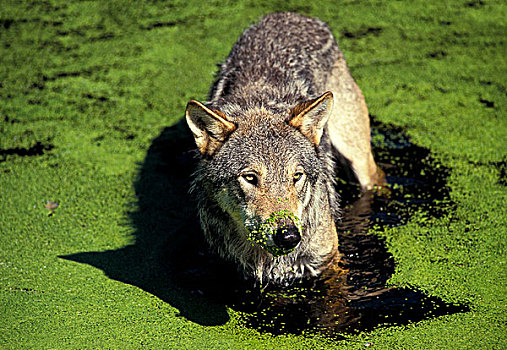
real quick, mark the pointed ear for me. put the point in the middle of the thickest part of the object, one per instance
(311, 117)
(210, 127)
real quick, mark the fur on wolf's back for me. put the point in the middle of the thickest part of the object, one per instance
(277, 64)
(285, 58)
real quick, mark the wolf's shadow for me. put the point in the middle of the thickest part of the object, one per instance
(164, 221)
(170, 259)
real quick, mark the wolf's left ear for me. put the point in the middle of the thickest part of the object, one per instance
(210, 127)
(311, 117)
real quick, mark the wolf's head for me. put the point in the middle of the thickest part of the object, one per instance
(262, 170)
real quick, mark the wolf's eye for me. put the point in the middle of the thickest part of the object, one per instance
(298, 176)
(250, 178)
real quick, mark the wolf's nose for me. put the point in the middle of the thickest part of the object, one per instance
(287, 237)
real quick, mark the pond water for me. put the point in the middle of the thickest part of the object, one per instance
(352, 296)
(171, 260)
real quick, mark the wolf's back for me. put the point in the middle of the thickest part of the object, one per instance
(285, 57)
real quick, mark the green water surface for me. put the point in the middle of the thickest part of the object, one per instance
(86, 86)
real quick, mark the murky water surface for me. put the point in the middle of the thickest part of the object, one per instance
(171, 260)
(352, 296)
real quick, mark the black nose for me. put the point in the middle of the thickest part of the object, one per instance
(287, 237)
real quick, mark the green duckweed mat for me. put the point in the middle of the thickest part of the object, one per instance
(85, 88)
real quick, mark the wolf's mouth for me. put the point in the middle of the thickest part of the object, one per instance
(279, 234)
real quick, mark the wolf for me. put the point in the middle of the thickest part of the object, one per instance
(283, 110)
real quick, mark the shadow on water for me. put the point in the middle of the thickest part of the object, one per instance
(171, 261)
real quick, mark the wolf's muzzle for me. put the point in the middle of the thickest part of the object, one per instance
(287, 237)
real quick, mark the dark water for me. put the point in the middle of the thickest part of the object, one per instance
(171, 260)
(352, 296)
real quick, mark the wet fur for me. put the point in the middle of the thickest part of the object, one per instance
(224, 232)
(276, 70)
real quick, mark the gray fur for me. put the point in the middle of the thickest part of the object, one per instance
(285, 59)
(273, 71)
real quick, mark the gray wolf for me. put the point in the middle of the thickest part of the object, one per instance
(283, 109)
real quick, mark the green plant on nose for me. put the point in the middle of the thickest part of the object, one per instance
(264, 232)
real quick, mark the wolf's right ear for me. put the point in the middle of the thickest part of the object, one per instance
(311, 117)
(210, 127)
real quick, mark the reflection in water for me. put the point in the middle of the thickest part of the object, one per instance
(352, 295)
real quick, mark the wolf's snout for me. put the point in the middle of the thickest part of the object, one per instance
(287, 237)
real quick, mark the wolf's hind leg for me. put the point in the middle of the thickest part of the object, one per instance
(349, 127)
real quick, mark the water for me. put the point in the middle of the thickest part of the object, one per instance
(352, 296)
(171, 260)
